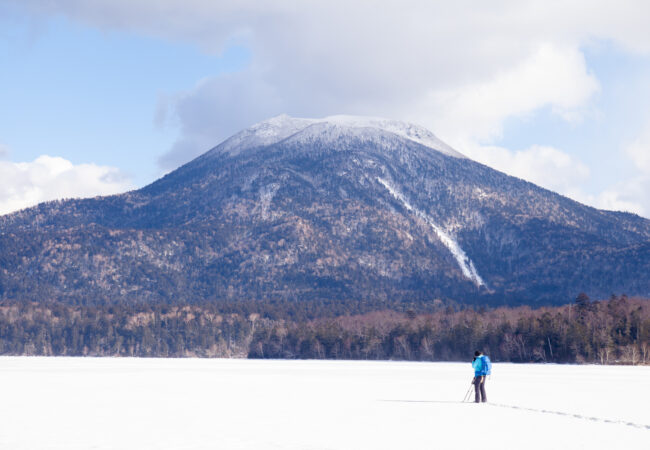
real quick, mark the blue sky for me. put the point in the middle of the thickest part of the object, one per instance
(92, 95)
(620, 111)
(99, 97)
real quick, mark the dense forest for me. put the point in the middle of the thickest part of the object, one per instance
(614, 331)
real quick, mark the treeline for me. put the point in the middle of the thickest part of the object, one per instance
(606, 332)
(159, 330)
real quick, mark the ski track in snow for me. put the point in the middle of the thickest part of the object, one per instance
(523, 408)
(466, 265)
(576, 416)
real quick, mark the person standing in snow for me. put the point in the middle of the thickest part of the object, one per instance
(482, 368)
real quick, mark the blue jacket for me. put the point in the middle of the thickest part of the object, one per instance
(477, 365)
(480, 366)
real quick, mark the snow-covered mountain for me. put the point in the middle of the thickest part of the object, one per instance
(335, 208)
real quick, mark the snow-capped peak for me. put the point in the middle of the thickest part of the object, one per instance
(406, 130)
(283, 126)
(264, 133)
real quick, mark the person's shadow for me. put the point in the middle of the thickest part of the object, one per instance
(424, 401)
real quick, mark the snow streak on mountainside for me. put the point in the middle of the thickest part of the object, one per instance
(466, 265)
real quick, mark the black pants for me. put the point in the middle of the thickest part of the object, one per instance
(479, 390)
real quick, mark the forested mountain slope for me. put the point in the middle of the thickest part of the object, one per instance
(339, 208)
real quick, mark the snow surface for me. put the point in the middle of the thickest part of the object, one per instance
(124, 403)
(464, 262)
(282, 127)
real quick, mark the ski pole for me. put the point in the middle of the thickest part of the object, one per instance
(467, 394)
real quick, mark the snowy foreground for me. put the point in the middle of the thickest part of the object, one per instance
(69, 403)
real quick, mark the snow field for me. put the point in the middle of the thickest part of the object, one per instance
(124, 403)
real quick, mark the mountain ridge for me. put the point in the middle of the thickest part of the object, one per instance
(279, 128)
(308, 209)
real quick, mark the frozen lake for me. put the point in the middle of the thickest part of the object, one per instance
(95, 403)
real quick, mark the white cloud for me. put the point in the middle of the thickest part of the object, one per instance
(214, 109)
(459, 68)
(560, 172)
(550, 76)
(545, 166)
(25, 184)
(626, 200)
(639, 151)
(4, 151)
(632, 193)
(385, 57)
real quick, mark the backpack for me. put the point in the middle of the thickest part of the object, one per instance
(486, 366)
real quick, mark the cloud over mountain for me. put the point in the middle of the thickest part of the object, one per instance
(46, 178)
(462, 69)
